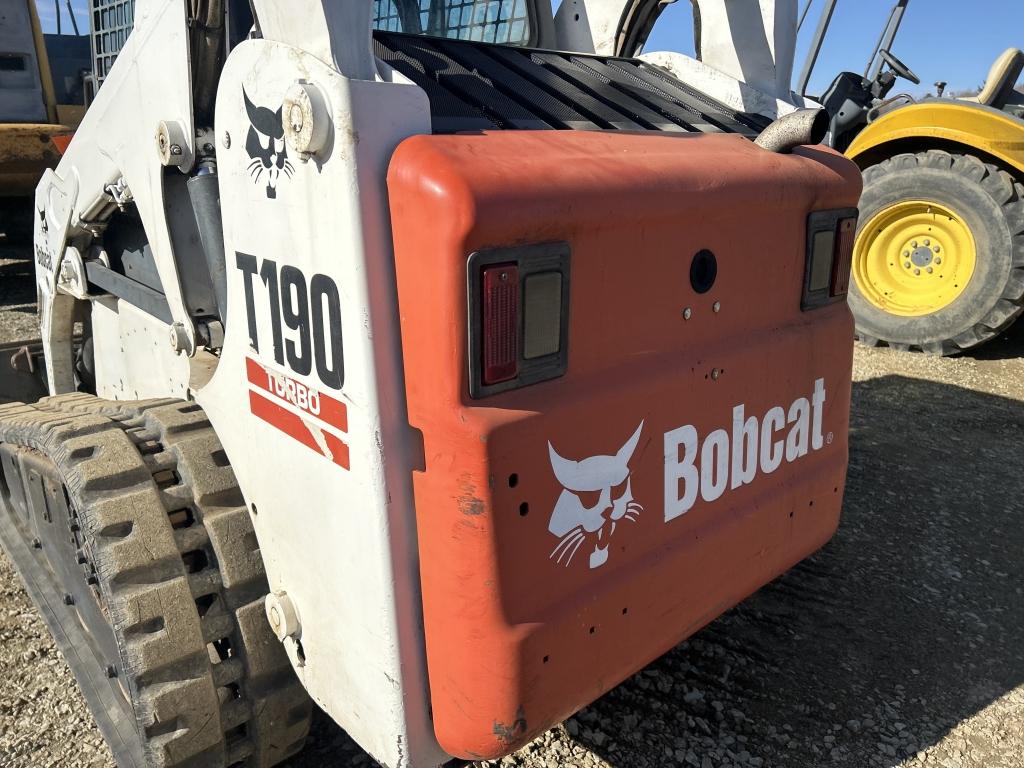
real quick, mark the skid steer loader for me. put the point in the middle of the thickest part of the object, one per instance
(427, 372)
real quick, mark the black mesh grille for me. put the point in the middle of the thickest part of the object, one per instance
(111, 23)
(476, 86)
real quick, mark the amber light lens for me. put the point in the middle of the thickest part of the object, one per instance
(500, 303)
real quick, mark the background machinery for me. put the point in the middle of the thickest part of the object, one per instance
(939, 263)
(41, 101)
(402, 362)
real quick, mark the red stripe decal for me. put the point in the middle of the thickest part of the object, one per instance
(293, 425)
(61, 142)
(305, 398)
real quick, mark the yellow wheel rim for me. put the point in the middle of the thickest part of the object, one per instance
(914, 258)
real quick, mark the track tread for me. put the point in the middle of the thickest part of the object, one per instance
(151, 576)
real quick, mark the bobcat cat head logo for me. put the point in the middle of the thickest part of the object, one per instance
(266, 146)
(597, 495)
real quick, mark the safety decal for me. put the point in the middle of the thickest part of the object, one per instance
(313, 418)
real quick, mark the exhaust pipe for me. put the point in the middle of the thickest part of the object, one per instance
(805, 126)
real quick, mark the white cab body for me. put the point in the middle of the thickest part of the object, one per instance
(746, 49)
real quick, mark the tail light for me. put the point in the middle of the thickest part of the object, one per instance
(500, 323)
(518, 317)
(846, 235)
(830, 240)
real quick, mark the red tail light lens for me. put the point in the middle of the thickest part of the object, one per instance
(846, 235)
(500, 305)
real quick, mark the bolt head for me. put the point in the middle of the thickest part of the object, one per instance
(717, 306)
(914, 244)
(171, 141)
(906, 254)
(938, 249)
(917, 271)
(179, 338)
(715, 374)
(227, 140)
(687, 313)
(282, 616)
(938, 260)
(927, 242)
(929, 270)
(307, 120)
(906, 264)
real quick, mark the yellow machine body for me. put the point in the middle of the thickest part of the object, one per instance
(28, 149)
(941, 124)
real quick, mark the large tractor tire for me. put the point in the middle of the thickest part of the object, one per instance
(127, 526)
(939, 261)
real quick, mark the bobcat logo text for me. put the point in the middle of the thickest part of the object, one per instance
(597, 493)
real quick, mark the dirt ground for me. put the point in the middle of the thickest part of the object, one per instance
(899, 644)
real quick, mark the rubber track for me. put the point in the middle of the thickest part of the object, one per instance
(1008, 193)
(180, 573)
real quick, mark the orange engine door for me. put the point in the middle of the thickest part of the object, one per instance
(694, 446)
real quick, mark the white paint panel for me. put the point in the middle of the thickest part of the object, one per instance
(134, 358)
(727, 89)
(341, 542)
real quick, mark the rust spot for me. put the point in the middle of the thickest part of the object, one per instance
(469, 503)
(511, 735)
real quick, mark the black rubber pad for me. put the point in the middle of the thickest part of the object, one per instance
(479, 86)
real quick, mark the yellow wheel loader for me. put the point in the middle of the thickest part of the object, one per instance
(939, 259)
(37, 111)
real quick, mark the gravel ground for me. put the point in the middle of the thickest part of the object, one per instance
(899, 644)
(17, 296)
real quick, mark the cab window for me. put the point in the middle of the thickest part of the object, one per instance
(507, 22)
